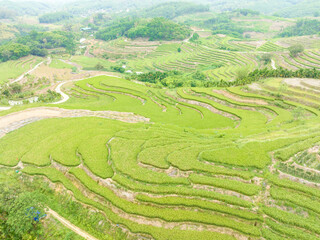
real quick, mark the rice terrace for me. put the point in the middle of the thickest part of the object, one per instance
(160, 120)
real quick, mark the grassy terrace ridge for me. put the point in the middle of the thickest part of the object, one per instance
(206, 159)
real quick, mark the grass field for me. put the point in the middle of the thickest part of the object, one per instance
(210, 164)
(56, 63)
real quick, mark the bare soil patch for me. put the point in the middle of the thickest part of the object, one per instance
(303, 83)
(239, 99)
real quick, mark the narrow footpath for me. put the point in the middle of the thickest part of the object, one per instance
(69, 225)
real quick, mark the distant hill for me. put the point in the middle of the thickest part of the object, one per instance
(33, 8)
(7, 32)
(172, 10)
(285, 8)
(301, 9)
(89, 6)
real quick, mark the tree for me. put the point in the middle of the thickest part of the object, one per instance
(266, 58)
(71, 47)
(179, 49)
(118, 69)
(297, 113)
(16, 88)
(16, 218)
(194, 37)
(199, 76)
(41, 52)
(296, 49)
(99, 66)
(20, 220)
(6, 92)
(283, 88)
(67, 27)
(242, 73)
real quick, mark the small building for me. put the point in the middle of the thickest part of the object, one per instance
(86, 29)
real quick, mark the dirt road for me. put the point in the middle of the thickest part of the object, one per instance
(64, 96)
(69, 225)
(16, 120)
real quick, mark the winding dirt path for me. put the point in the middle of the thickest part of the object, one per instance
(273, 64)
(64, 96)
(69, 225)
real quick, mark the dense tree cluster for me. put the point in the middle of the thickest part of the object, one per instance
(48, 40)
(17, 213)
(37, 43)
(160, 29)
(285, 73)
(54, 17)
(223, 24)
(154, 77)
(247, 12)
(173, 79)
(303, 27)
(258, 74)
(154, 29)
(116, 29)
(13, 51)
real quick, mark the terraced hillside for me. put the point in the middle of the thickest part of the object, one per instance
(13, 69)
(213, 57)
(203, 163)
(219, 57)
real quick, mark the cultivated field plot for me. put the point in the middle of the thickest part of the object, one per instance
(211, 57)
(219, 57)
(235, 163)
(13, 69)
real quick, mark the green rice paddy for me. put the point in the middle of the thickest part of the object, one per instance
(227, 164)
